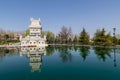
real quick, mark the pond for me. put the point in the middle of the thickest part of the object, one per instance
(60, 63)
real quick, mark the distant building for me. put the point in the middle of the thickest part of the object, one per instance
(35, 36)
(16, 37)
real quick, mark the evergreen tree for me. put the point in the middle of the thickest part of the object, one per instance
(102, 39)
(84, 37)
(118, 41)
(75, 40)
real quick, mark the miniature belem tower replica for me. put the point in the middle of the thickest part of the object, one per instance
(34, 39)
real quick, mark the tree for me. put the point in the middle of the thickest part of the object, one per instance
(65, 34)
(49, 36)
(102, 39)
(75, 40)
(84, 37)
(109, 39)
(57, 39)
(6, 36)
(118, 41)
(69, 41)
(27, 32)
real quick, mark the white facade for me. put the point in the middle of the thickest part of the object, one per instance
(35, 56)
(34, 38)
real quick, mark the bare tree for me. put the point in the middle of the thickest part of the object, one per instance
(65, 34)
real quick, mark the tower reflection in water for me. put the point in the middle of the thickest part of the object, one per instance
(35, 56)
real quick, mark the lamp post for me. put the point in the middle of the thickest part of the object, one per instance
(114, 29)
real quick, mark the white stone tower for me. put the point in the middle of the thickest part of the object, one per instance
(35, 28)
(35, 37)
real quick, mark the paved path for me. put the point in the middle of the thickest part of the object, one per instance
(9, 46)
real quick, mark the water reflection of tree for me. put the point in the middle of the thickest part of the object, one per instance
(65, 53)
(7, 52)
(102, 52)
(84, 51)
(75, 48)
(50, 50)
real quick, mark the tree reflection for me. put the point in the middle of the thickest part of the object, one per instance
(102, 52)
(75, 48)
(84, 51)
(50, 50)
(65, 53)
(7, 52)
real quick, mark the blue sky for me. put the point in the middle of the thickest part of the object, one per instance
(91, 14)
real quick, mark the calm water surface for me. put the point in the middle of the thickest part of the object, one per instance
(60, 63)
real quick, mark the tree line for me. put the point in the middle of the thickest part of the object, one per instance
(7, 37)
(66, 36)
